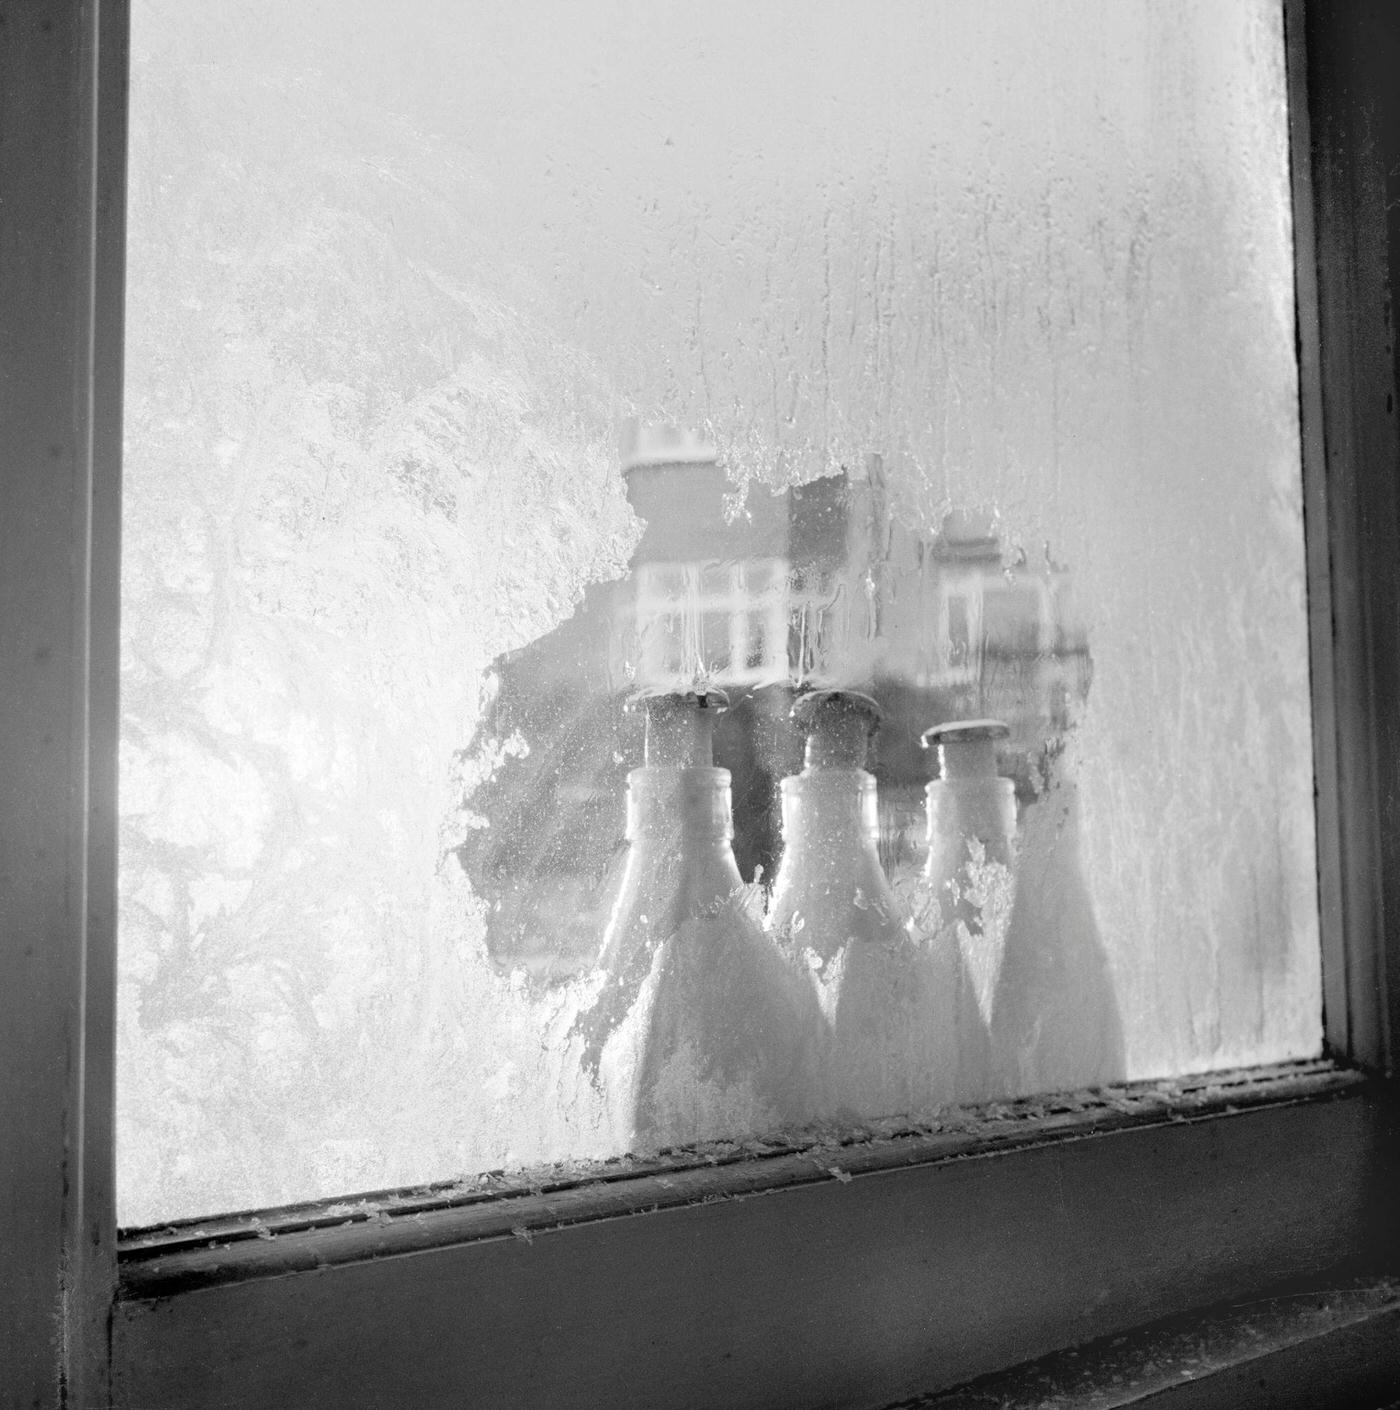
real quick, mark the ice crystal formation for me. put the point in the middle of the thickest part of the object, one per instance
(394, 286)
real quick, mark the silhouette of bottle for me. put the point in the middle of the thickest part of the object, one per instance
(890, 1041)
(1055, 1017)
(701, 1030)
(969, 879)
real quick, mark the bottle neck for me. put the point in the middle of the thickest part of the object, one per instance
(669, 801)
(979, 806)
(826, 804)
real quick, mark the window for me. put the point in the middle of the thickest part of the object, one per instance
(233, 1329)
(741, 611)
(378, 652)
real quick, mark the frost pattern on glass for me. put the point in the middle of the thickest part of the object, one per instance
(980, 321)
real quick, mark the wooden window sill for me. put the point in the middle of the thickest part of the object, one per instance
(846, 1275)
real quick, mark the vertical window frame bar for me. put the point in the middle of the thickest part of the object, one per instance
(63, 74)
(1343, 144)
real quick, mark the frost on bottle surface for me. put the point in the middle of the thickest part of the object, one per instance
(701, 1029)
(888, 1004)
(969, 882)
(1056, 1020)
(1020, 912)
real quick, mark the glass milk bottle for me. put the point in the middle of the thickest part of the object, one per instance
(701, 1030)
(1056, 1022)
(969, 880)
(889, 1040)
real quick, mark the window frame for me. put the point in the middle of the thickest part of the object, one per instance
(842, 1277)
(666, 591)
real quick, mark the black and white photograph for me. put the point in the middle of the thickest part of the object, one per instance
(700, 704)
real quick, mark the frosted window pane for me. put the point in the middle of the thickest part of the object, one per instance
(487, 364)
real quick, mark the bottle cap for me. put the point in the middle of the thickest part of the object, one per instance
(966, 748)
(680, 726)
(956, 731)
(839, 725)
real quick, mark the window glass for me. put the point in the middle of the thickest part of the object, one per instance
(493, 370)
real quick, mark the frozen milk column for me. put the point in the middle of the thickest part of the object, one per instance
(701, 1030)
